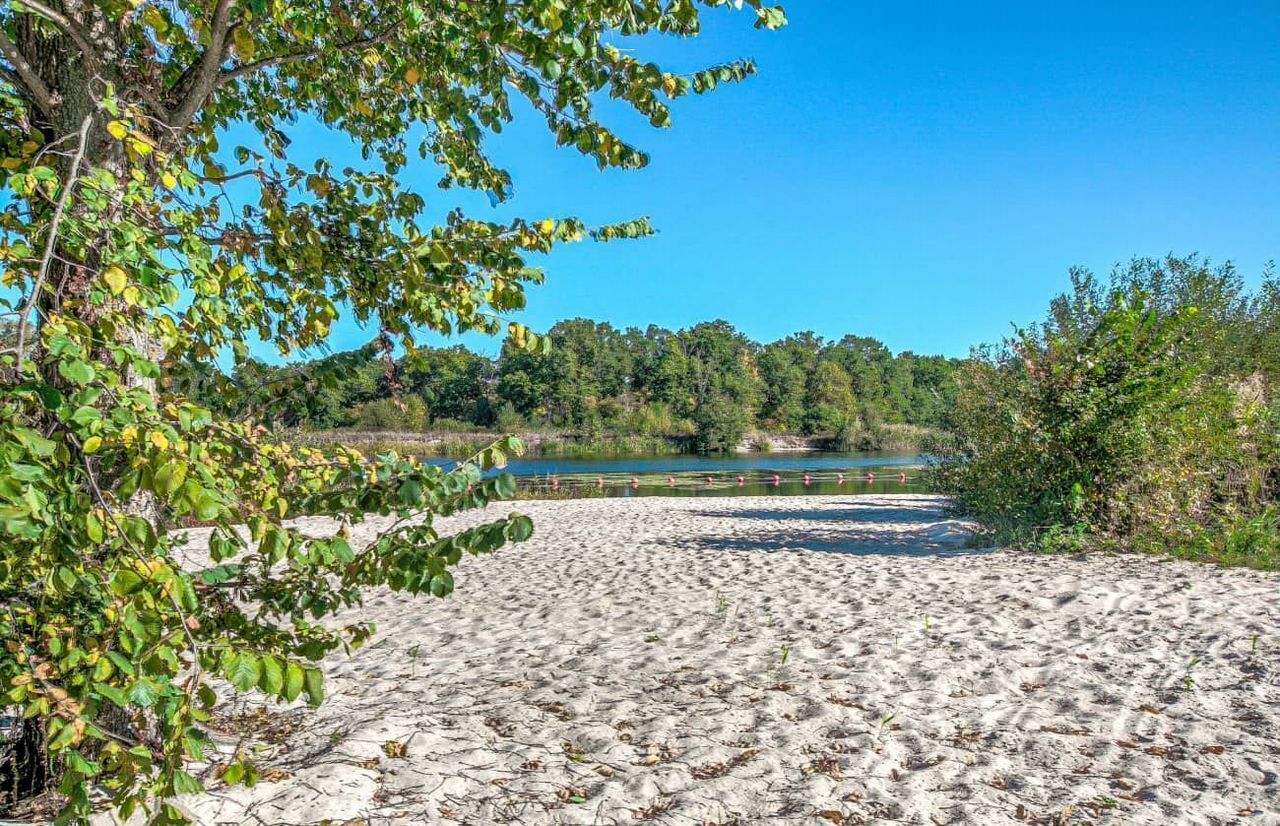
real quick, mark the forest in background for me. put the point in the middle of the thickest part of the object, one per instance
(704, 388)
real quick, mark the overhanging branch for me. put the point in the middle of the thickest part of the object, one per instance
(280, 60)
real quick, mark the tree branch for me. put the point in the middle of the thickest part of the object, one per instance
(279, 60)
(198, 81)
(30, 84)
(43, 273)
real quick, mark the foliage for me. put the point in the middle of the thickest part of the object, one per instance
(130, 274)
(595, 381)
(406, 414)
(1135, 414)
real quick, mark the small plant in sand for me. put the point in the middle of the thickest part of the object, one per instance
(1187, 680)
(722, 604)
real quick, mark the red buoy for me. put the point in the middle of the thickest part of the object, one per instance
(708, 480)
(741, 481)
(777, 480)
(902, 478)
(871, 477)
(807, 479)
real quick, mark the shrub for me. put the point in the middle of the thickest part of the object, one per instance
(721, 423)
(1121, 420)
(407, 414)
(508, 420)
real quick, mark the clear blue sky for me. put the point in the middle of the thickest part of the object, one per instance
(923, 175)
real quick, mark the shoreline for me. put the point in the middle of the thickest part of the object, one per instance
(559, 444)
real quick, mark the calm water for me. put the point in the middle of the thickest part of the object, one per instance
(748, 475)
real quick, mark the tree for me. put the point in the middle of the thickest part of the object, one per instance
(829, 402)
(129, 267)
(785, 367)
(723, 382)
(453, 383)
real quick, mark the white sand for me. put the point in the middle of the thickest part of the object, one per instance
(627, 664)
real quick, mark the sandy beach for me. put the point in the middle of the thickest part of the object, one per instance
(784, 660)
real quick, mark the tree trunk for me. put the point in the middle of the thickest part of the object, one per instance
(26, 770)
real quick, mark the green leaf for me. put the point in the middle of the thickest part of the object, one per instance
(76, 372)
(113, 694)
(121, 662)
(272, 681)
(519, 528)
(144, 692)
(314, 680)
(342, 550)
(34, 442)
(294, 680)
(63, 737)
(441, 584)
(243, 671)
(125, 582)
(410, 493)
(208, 508)
(184, 783)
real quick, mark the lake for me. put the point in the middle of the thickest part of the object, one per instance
(773, 474)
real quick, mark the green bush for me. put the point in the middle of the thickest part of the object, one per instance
(509, 420)
(1126, 418)
(721, 423)
(407, 414)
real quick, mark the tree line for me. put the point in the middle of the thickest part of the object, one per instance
(708, 384)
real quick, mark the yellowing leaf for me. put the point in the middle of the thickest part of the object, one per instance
(158, 439)
(243, 43)
(117, 129)
(115, 278)
(92, 444)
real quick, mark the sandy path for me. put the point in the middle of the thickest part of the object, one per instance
(789, 660)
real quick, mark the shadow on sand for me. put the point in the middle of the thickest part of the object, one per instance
(854, 529)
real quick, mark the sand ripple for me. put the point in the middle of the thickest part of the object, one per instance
(790, 660)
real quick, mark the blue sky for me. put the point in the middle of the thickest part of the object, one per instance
(922, 174)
